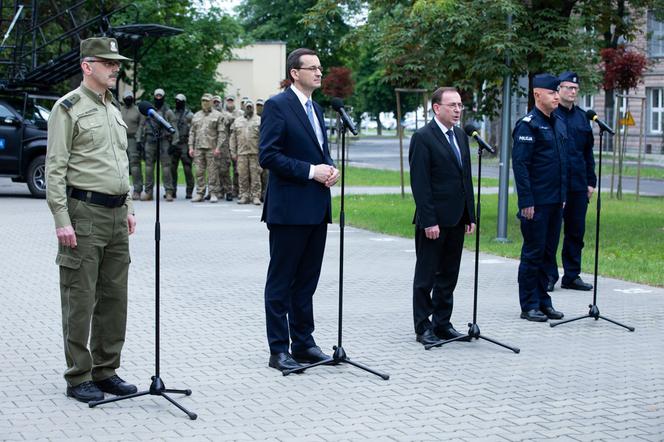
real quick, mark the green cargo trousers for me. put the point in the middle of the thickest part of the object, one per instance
(93, 291)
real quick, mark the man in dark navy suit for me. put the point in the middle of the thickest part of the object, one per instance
(441, 181)
(539, 163)
(293, 147)
(581, 182)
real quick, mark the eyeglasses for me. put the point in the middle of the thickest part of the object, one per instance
(313, 68)
(107, 63)
(455, 106)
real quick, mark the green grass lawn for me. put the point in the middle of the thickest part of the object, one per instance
(361, 176)
(631, 247)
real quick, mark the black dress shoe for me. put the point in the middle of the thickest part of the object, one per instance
(310, 355)
(450, 333)
(552, 313)
(534, 315)
(229, 197)
(283, 361)
(85, 392)
(577, 284)
(427, 338)
(115, 385)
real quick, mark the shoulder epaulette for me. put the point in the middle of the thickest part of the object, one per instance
(527, 118)
(70, 101)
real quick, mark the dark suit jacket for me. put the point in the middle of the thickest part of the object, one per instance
(287, 148)
(443, 191)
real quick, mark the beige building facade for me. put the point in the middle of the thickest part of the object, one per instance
(255, 71)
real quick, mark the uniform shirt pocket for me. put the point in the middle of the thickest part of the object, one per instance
(89, 133)
(121, 130)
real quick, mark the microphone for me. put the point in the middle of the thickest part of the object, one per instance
(338, 105)
(146, 108)
(471, 131)
(592, 116)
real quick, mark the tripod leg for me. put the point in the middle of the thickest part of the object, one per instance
(514, 349)
(365, 368)
(553, 324)
(617, 323)
(191, 415)
(92, 404)
(443, 342)
(306, 367)
(186, 392)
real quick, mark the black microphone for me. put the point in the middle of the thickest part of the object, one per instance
(338, 105)
(592, 116)
(147, 109)
(471, 131)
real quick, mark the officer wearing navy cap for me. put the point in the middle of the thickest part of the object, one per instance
(581, 183)
(539, 165)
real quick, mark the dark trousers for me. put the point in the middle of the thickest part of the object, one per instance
(436, 275)
(296, 256)
(574, 217)
(181, 153)
(540, 242)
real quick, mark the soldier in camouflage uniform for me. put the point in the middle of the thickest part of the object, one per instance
(180, 150)
(223, 159)
(264, 173)
(233, 114)
(244, 149)
(216, 103)
(146, 136)
(132, 118)
(205, 138)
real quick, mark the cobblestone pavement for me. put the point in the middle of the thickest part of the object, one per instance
(583, 381)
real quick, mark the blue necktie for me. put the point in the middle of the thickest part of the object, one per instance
(450, 137)
(310, 114)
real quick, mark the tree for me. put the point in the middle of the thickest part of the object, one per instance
(338, 83)
(186, 63)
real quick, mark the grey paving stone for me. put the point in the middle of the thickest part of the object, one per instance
(583, 381)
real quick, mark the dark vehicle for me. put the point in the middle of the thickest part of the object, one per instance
(23, 127)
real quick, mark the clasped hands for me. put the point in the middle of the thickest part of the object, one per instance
(326, 174)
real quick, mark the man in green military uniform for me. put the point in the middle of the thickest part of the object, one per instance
(132, 118)
(180, 149)
(205, 138)
(89, 195)
(146, 136)
(244, 150)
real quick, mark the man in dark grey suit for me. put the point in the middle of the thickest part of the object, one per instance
(442, 186)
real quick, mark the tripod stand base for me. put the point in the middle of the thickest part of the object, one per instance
(157, 388)
(593, 313)
(338, 357)
(473, 333)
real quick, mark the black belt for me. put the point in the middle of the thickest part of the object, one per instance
(100, 199)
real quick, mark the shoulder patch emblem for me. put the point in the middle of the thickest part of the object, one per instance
(527, 118)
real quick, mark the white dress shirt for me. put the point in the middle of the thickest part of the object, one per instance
(318, 130)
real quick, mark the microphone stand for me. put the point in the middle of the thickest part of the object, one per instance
(157, 387)
(594, 310)
(339, 355)
(473, 328)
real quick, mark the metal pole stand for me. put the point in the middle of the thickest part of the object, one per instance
(157, 387)
(593, 311)
(339, 356)
(473, 328)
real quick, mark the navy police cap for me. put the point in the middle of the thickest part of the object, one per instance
(546, 81)
(569, 76)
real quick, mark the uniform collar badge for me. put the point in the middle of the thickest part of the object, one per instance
(114, 46)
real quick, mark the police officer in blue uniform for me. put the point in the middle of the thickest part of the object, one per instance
(581, 183)
(540, 173)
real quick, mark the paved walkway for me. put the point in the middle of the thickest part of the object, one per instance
(583, 381)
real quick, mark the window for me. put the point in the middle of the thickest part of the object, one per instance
(655, 109)
(4, 112)
(587, 101)
(655, 36)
